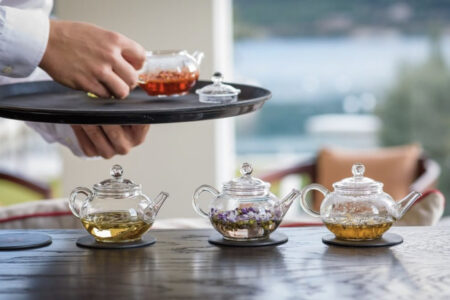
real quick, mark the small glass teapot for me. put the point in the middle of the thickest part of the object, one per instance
(245, 210)
(358, 209)
(115, 210)
(169, 72)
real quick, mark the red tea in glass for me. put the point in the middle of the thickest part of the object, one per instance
(166, 83)
(169, 72)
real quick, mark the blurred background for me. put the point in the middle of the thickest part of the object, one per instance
(358, 74)
(351, 73)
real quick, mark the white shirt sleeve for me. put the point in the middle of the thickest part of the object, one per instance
(23, 40)
(59, 133)
(52, 133)
(24, 33)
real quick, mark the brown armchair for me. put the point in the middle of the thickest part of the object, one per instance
(408, 158)
(427, 176)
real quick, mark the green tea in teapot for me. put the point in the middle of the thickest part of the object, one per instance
(113, 227)
(358, 232)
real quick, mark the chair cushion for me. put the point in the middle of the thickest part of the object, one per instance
(395, 167)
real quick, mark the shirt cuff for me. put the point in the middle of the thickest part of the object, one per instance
(23, 40)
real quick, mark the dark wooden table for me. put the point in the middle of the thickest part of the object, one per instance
(182, 265)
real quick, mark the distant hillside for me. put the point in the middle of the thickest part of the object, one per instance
(257, 18)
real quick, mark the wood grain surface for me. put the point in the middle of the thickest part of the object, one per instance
(183, 265)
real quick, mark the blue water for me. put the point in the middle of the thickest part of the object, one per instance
(313, 76)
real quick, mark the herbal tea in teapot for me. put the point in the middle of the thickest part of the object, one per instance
(246, 223)
(245, 210)
(115, 226)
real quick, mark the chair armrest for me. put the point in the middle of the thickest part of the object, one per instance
(308, 167)
(39, 187)
(429, 172)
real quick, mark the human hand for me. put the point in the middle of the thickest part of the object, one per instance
(89, 58)
(109, 140)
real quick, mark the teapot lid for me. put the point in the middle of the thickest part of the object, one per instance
(217, 92)
(358, 183)
(246, 185)
(117, 184)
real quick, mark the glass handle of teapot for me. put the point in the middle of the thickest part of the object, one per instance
(141, 75)
(195, 198)
(75, 204)
(144, 70)
(304, 201)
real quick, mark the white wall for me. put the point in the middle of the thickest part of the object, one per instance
(175, 157)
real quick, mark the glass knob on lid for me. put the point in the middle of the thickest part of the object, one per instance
(246, 169)
(116, 184)
(358, 183)
(218, 92)
(358, 170)
(246, 185)
(116, 172)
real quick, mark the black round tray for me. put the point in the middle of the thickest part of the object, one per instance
(48, 101)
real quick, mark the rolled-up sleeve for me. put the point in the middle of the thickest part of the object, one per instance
(23, 40)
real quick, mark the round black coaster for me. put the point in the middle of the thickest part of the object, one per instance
(275, 238)
(23, 240)
(88, 241)
(387, 240)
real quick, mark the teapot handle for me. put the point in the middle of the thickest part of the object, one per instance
(305, 191)
(74, 204)
(142, 71)
(198, 56)
(198, 191)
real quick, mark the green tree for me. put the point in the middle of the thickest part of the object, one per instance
(417, 109)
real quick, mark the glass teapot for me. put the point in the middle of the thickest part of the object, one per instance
(245, 210)
(169, 72)
(358, 209)
(115, 210)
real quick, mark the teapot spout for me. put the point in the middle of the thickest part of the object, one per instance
(198, 56)
(288, 200)
(404, 204)
(159, 201)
